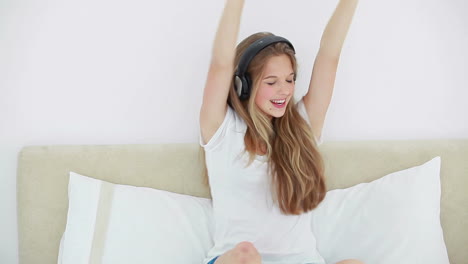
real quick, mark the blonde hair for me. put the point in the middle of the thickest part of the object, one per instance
(294, 162)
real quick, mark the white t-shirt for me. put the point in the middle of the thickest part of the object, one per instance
(243, 208)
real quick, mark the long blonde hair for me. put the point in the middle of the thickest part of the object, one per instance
(294, 162)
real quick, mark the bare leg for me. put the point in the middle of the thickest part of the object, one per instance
(243, 253)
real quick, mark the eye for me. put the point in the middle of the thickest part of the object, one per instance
(275, 82)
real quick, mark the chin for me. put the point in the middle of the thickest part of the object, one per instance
(275, 113)
(278, 115)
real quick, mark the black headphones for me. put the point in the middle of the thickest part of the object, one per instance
(242, 80)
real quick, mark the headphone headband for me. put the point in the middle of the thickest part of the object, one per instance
(242, 80)
(255, 48)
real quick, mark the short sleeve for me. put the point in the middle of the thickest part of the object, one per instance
(303, 112)
(220, 134)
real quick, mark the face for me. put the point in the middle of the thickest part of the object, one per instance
(276, 83)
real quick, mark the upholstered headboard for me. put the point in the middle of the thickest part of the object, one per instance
(43, 173)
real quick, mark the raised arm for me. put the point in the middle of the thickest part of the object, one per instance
(220, 73)
(322, 81)
(336, 30)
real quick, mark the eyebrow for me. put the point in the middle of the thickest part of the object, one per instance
(273, 76)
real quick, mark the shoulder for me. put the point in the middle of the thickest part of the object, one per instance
(238, 124)
(230, 128)
(301, 109)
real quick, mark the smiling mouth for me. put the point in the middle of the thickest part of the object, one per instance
(278, 101)
(279, 105)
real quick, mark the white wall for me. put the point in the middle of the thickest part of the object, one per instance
(121, 72)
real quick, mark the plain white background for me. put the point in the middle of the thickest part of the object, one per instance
(133, 72)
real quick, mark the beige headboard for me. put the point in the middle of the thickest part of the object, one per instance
(43, 171)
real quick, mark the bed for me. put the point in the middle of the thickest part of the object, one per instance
(42, 179)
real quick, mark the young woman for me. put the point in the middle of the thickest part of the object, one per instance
(260, 146)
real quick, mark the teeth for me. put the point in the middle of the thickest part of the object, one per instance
(278, 101)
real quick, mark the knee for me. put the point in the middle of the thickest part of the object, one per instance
(246, 252)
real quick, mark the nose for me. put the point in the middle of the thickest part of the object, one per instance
(286, 88)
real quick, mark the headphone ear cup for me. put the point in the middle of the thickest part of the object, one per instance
(238, 85)
(248, 86)
(243, 88)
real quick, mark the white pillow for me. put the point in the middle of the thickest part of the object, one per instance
(133, 224)
(394, 219)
